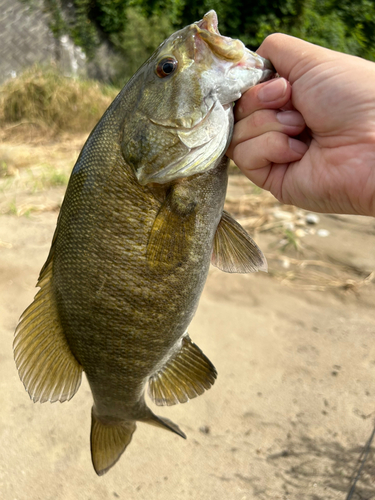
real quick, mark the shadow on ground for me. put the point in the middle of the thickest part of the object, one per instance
(307, 463)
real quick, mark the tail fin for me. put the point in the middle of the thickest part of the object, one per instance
(108, 442)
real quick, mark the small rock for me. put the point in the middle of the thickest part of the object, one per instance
(323, 233)
(204, 429)
(312, 218)
(300, 233)
(285, 262)
(290, 226)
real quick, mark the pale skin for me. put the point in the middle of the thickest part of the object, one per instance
(309, 136)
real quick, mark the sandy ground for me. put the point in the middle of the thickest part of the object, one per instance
(293, 405)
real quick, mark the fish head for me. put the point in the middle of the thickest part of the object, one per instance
(183, 120)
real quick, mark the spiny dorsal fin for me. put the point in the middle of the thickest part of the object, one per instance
(174, 224)
(108, 442)
(187, 374)
(234, 251)
(45, 363)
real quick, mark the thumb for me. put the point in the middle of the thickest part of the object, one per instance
(291, 56)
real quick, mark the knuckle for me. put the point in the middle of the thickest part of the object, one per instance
(270, 141)
(258, 119)
(276, 147)
(273, 39)
(263, 121)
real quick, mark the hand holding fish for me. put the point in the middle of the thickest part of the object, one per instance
(329, 105)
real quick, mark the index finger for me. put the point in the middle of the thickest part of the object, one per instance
(274, 94)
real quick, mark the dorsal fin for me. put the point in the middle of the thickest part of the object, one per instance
(234, 251)
(45, 363)
(187, 374)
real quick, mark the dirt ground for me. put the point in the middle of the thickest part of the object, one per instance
(294, 402)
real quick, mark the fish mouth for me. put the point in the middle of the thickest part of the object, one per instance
(229, 49)
(209, 23)
(222, 46)
(269, 71)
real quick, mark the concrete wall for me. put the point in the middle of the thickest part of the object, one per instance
(25, 39)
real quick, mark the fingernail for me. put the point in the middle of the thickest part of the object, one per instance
(291, 118)
(297, 146)
(275, 89)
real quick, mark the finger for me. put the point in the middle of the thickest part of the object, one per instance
(288, 106)
(266, 120)
(271, 177)
(291, 56)
(256, 156)
(272, 94)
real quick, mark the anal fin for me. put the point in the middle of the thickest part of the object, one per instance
(45, 363)
(108, 442)
(164, 423)
(187, 374)
(234, 251)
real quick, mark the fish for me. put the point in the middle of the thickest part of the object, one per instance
(141, 221)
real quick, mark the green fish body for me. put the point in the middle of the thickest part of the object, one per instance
(140, 223)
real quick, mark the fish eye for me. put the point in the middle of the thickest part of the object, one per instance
(166, 67)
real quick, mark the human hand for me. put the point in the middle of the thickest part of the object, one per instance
(330, 105)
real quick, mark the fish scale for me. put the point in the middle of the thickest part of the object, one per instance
(141, 221)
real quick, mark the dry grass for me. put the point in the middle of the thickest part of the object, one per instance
(46, 100)
(292, 262)
(33, 171)
(318, 275)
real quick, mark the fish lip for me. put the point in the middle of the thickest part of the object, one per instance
(253, 61)
(268, 75)
(209, 22)
(269, 71)
(224, 47)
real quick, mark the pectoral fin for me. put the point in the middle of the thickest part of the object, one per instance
(234, 251)
(186, 375)
(45, 363)
(173, 226)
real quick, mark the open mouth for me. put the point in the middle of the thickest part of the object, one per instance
(222, 46)
(209, 23)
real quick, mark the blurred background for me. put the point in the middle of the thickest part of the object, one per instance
(294, 404)
(109, 39)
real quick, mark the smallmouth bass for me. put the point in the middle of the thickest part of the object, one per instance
(141, 221)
